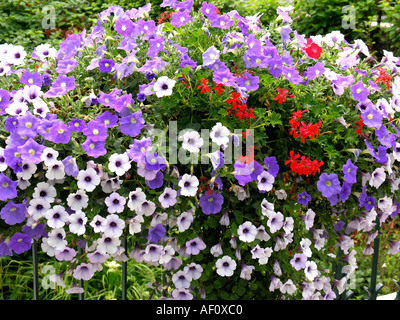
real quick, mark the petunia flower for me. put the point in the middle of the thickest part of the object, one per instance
(106, 65)
(211, 203)
(163, 86)
(328, 184)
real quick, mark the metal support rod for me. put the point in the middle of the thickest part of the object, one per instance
(375, 261)
(35, 267)
(124, 270)
(81, 296)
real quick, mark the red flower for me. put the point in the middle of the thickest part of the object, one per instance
(383, 78)
(282, 95)
(360, 125)
(312, 49)
(235, 100)
(218, 88)
(204, 87)
(304, 166)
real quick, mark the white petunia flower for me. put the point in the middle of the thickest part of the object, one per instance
(119, 163)
(163, 86)
(188, 185)
(220, 134)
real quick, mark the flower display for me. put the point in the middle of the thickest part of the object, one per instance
(229, 154)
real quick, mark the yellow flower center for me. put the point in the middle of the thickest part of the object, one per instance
(123, 28)
(225, 79)
(30, 80)
(258, 60)
(210, 199)
(63, 84)
(13, 209)
(328, 183)
(31, 152)
(60, 131)
(247, 83)
(28, 124)
(133, 120)
(95, 132)
(5, 184)
(91, 146)
(370, 116)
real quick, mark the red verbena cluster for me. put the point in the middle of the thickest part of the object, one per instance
(299, 128)
(242, 112)
(164, 17)
(282, 95)
(360, 125)
(302, 165)
(383, 77)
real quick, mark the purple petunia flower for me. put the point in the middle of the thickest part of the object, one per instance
(360, 91)
(345, 192)
(157, 182)
(242, 173)
(275, 67)
(124, 27)
(303, 198)
(30, 78)
(194, 246)
(156, 233)
(208, 9)
(94, 149)
(60, 86)
(70, 167)
(8, 188)
(20, 243)
(106, 65)
(132, 124)
(222, 22)
(369, 203)
(271, 165)
(292, 75)
(95, 131)
(138, 149)
(77, 124)
(225, 77)
(108, 119)
(350, 172)
(211, 203)
(13, 213)
(60, 133)
(315, 71)
(372, 118)
(328, 184)
(180, 18)
(210, 56)
(249, 82)
(167, 198)
(31, 151)
(66, 66)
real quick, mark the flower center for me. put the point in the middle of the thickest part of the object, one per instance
(31, 152)
(328, 183)
(133, 120)
(5, 184)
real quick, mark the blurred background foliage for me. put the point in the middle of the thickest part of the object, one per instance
(377, 22)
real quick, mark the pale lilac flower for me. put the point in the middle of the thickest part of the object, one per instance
(78, 200)
(265, 181)
(98, 223)
(378, 176)
(163, 86)
(311, 270)
(67, 254)
(84, 271)
(220, 134)
(115, 203)
(210, 56)
(192, 141)
(181, 280)
(246, 271)
(88, 179)
(108, 244)
(167, 198)
(247, 232)
(56, 217)
(194, 270)
(136, 198)
(194, 246)
(77, 222)
(119, 163)
(288, 287)
(56, 239)
(299, 261)
(184, 220)
(188, 185)
(225, 266)
(114, 226)
(275, 221)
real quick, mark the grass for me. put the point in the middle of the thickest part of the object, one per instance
(16, 280)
